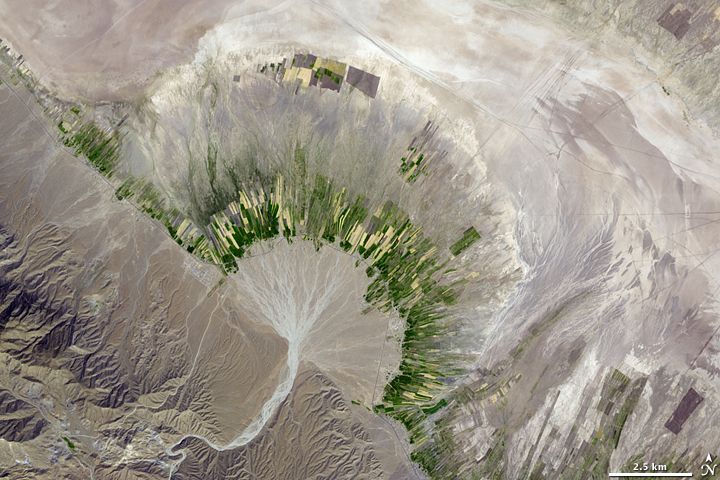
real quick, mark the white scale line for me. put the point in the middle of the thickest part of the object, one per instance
(650, 474)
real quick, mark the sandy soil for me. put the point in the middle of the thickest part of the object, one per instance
(314, 430)
(106, 338)
(314, 299)
(106, 50)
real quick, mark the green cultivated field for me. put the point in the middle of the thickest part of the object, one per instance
(297, 202)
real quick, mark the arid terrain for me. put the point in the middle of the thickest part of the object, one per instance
(382, 241)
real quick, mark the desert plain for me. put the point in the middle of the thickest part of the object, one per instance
(557, 235)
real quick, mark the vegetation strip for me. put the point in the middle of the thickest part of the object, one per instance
(402, 261)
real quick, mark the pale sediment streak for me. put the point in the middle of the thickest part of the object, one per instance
(291, 290)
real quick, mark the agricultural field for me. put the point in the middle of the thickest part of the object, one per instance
(447, 240)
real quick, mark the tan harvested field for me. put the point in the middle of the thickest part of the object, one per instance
(583, 147)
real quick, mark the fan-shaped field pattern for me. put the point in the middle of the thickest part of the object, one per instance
(404, 264)
(398, 256)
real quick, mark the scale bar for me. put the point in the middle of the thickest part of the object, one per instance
(650, 474)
